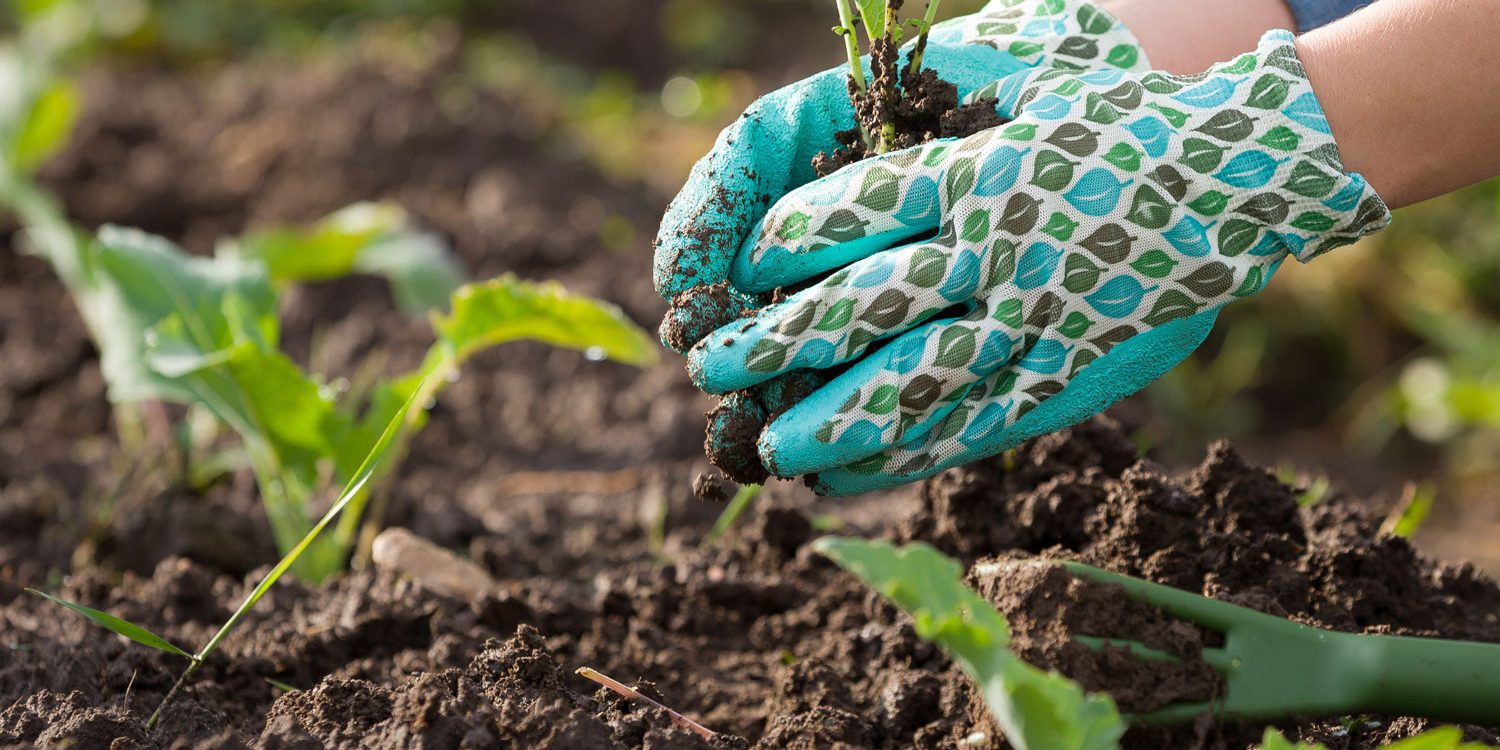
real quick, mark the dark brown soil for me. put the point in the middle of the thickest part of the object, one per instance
(921, 105)
(755, 637)
(570, 483)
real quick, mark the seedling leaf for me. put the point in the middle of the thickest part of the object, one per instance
(373, 238)
(506, 309)
(128, 629)
(1036, 710)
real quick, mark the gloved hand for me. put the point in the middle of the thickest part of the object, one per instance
(768, 151)
(1071, 257)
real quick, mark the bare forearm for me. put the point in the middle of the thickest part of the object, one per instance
(1188, 36)
(1411, 92)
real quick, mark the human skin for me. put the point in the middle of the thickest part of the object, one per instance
(1412, 93)
(1187, 36)
(1406, 84)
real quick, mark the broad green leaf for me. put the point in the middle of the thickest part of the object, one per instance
(1036, 710)
(45, 128)
(140, 281)
(373, 238)
(128, 629)
(487, 313)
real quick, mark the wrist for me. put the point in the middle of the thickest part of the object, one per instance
(1185, 38)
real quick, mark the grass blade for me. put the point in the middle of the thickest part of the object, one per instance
(352, 489)
(122, 627)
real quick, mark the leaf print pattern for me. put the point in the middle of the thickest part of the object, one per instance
(1038, 247)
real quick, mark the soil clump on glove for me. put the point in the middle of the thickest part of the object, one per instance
(923, 107)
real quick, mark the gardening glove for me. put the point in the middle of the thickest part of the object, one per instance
(768, 150)
(1060, 262)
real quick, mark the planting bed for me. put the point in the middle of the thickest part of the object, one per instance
(554, 475)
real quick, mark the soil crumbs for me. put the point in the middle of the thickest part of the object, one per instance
(755, 637)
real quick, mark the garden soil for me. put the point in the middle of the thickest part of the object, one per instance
(570, 484)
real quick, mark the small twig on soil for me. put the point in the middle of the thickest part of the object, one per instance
(630, 692)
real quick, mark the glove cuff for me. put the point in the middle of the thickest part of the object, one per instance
(1330, 206)
(1069, 34)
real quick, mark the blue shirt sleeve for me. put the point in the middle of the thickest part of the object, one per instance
(1314, 13)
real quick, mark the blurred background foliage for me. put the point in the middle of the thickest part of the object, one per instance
(1376, 369)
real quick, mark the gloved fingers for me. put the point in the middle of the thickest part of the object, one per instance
(966, 433)
(868, 206)
(839, 318)
(902, 389)
(757, 159)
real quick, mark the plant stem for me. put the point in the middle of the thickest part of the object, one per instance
(921, 47)
(355, 487)
(856, 68)
(851, 44)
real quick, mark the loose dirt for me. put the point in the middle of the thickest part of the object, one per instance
(569, 484)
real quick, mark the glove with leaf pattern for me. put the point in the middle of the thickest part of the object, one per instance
(1017, 281)
(768, 151)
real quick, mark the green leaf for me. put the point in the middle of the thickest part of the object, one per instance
(121, 627)
(1075, 325)
(1124, 156)
(1251, 284)
(1149, 209)
(1269, 91)
(956, 347)
(1176, 117)
(976, 226)
(1281, 138)
(839, 314)
(1236, 236)
(1123, 56)
(1314, 221)
(960, 177)
(1079, 274)
(1036, 710)
(1060, 226)
(372, 238)
(1053, 171)
(1201, 155)
(143, 280)
(793, 227)
(1210, 203)
(879, 192)
(45, 128)
(928, 267)
(504, 309)
(872, 15)
(883, 400)
(1171, 305)
(1154, 263)
(1019, 131)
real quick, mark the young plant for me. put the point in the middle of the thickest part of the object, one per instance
(171, 327)
(881, 93)
(1036, 710)
(377, 455)
(204, 331)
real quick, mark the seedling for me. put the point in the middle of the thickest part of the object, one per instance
(1044, 710)
(204, 332)
(876, 98)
